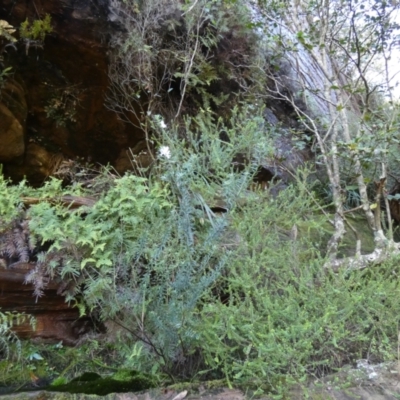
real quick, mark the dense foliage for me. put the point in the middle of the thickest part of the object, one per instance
(186, 291)
(195, 271)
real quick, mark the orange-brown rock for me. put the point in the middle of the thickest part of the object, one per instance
(65, 85)
(13, 113)
(11, 136)
(55, 319)
(13, 96)
(38, 164)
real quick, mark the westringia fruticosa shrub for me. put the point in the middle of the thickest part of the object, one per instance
(145, 254)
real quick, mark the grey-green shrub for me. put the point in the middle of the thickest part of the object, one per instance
(149, 250)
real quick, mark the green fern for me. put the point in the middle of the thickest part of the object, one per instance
(7, 337)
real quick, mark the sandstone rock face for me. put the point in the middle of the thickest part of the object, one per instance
(13, 113)
(55, 320)
(11, 135)
(38, 164)
(62, 106)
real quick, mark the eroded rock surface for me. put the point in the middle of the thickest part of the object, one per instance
(38, 164)
(55, 319)
(13, 113)
(65, 82)
(11, 136)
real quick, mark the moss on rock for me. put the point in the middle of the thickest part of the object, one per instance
(92, 383)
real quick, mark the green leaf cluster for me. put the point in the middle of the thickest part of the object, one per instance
(7, 337)
(36, 30)
(10, 200)
(286, 317)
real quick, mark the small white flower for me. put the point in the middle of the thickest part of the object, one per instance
(373, 375)
(165, 152)
(163, 125)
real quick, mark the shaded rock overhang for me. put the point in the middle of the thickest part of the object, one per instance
(55, 320)
(72, 68)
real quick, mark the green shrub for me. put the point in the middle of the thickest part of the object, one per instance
(286, 317)
(10, 200)
(149, 250)
(191, 292)
(208, 50)
(7, 337)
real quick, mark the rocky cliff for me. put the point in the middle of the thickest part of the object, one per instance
(53, 103)
(53, 109)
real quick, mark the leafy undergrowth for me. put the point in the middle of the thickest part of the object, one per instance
(33, 366)
(188, 292)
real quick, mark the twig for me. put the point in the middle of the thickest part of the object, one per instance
(72, 201)
(34, 5)
(190, 8)
(353, 209)
(188, 69)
